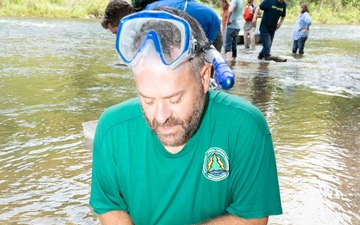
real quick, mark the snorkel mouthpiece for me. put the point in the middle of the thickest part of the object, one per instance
(224, 77)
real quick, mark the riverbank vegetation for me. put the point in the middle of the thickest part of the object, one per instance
(322, 11)
(53, 8)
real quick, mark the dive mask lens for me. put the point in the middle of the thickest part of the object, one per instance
(170, 34)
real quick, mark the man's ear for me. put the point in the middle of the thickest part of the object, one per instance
(205, 76)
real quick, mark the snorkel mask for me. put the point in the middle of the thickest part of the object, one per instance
(167, 37)
(170, 36)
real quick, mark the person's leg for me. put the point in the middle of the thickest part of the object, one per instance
(234, 42)
(224, 39)
(246, 39)
(301, 44)
(267, 55)
(228, 43)
(294, 46)
(266, 43)
(252, 38)
(271, 41)
(261, 53)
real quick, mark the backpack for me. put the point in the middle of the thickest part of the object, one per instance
(248, 13)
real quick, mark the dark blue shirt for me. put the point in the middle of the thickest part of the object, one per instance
(273, 10)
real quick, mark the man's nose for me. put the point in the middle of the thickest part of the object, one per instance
(163, 112)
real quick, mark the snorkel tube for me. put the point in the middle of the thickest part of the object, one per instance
(224, 77)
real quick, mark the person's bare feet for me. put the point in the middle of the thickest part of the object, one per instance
(229, 57)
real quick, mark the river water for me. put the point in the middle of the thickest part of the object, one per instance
(56, 74)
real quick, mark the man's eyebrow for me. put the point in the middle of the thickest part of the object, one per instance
(166, 97)
(142, 95)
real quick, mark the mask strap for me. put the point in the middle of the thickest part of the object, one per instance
(206, 47)
(185, 6)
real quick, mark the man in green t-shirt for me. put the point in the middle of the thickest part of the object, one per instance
(179, 153)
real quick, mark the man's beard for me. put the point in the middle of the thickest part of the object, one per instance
(188, 126)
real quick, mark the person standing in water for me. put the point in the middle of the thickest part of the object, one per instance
(249, 28)
(301, 29)
(233, 29)
(273, 11)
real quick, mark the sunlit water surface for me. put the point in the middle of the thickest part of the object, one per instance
(56, 74)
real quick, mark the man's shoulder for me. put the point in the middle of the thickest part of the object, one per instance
(130, 104)
(239, 7)
(165, 3)
(122, 112)
(204, 9)
(237, 110)
(264, 4)
(229, 102)
(205, 15)
(236, 2)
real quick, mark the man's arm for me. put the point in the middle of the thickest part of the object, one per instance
(280, 23)
(231, 10)
(259, 14)
(234, 220)
(223, 26)
(115, 218)
(305, 29)
(308, 23)
(257, 10)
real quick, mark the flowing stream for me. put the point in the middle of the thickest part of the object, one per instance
(56, 74)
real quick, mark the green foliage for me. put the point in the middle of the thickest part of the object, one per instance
(322, 11)
(293, 4)
(326, 14)
(96, 7)
(53, 8)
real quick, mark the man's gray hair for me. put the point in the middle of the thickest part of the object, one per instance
(197, 33)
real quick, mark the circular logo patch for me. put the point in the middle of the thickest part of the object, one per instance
(216, 164)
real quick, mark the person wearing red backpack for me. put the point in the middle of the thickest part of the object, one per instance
(249, 27)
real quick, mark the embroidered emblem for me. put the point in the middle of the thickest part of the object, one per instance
(216, 164)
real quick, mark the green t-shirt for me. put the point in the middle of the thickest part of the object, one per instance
(228, 166)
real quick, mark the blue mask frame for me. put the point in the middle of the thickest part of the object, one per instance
(128, 26)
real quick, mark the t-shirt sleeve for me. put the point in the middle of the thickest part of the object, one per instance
(233, 3)
(264, 4)
(308, 20)
(255, 188)
(284, 11)
(105, 195)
